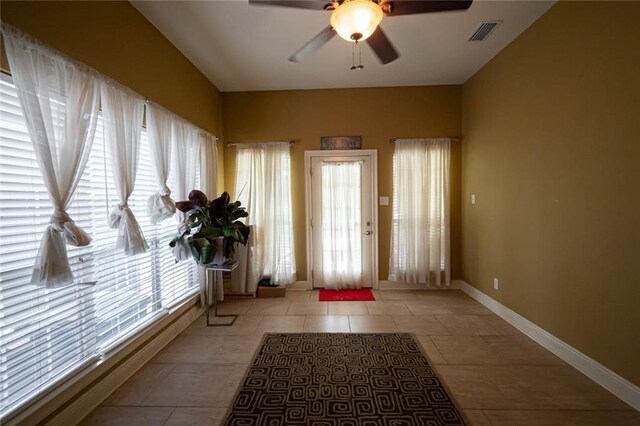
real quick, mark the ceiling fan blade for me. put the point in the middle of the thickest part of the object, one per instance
(382, 47)
(298, 4)
(411, 7)
(312, 45)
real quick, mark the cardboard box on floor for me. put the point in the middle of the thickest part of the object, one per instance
(278, 291)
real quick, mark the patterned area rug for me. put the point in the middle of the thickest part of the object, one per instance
(341, 379)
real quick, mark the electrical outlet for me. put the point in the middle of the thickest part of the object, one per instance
(473, 198)
(495, 283)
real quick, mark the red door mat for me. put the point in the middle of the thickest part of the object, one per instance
(363, 294)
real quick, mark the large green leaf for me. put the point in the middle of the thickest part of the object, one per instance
(207, 254)
(229, 230)
(202, 250)
(238, 214)
(195, 253)
(211, 232)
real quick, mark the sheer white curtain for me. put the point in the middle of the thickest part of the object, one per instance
(420, 242)
(341, 225)
(122, 114)
(209, 165)
(60, 105)
(187, 154)
(160, 205)
(263, 185)
(209, 184)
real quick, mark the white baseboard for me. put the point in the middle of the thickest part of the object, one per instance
(89, 389)
(392, 285)
(385, 285)
(617, 385)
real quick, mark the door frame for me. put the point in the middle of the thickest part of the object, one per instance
(373, 155)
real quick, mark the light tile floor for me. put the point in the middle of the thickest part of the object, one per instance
(497, 375)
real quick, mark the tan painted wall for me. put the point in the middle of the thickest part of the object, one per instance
(375, 114)
(115, 39)
(552, 151)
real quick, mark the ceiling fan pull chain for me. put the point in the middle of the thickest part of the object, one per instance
(355, 46)
(353, 57)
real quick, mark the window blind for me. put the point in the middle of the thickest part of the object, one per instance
(46, 334)
(420, 213)
(263, 184)
(396, 219)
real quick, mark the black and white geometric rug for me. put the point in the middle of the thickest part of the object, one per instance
(342, 379)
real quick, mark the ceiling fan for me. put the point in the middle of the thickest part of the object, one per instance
(358, 20)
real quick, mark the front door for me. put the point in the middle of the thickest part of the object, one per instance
(341, 221)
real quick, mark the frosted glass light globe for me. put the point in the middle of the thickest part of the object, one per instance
(356, 19)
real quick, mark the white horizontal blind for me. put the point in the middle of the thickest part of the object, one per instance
(46, 334)
(395, 220)
(263, 185)
(395, 215)
(178, 280)
(426, 175)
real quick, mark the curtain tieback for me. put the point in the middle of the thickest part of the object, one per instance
(164, 191)
(160, 206)
(58, 219)
(117, 212)
(61, 222)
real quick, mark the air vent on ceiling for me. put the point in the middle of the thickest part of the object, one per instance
(483, 30)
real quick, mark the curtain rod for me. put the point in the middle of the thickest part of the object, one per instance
(88, 69)
(148, 102)
(230, 144)
(200, 129)
(453, 138)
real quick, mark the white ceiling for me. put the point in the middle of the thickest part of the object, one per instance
(244, 48)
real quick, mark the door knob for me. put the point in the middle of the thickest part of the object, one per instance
(367, 233)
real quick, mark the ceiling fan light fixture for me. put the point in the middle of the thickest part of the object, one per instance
(356, 20)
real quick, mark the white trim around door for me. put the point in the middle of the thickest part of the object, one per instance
(373, 155)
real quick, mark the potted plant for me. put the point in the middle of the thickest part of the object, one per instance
(208, 222)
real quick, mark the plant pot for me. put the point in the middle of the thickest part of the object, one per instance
(219, 258)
